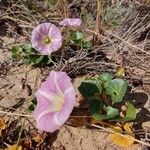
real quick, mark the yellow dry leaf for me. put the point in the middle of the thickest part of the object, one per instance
(120, 72)
(38, 139)
(95, 121)
(15, 147)
(2, 124)
(120, 140)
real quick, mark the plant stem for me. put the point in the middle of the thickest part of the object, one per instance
(105, 99)
(99, 20)
(20, 133)
(64, 8)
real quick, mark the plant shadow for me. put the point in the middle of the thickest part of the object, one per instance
(140, 101)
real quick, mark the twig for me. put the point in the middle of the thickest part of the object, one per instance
(129, 44)
(111, 131)
(20, 133)
(140, 49)
(14, 114)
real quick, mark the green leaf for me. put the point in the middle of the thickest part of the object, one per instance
(90, 88)
(31, 108)
(34, 101)
(76, 36)
(15, 52)
(15, 49)
(86, 44)
(116, 88)
(131, 112)
(95, 106)
(27, 61)
(105, 77)
(110, 113)
(36, 59)
(27, 49)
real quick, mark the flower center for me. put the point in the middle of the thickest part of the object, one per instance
(47, 40)
(58, 102)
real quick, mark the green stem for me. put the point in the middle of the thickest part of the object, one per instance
(20, 133)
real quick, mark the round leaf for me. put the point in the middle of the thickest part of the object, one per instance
(110, 113)
(27, 49)
(105, 77)
(90, 88)
(36, 59)
(95, 106)
(75, 36)
(116, 88)
(130, 113)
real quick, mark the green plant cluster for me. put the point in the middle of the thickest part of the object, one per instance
(77, 38)
(29, 55)
(103, 94)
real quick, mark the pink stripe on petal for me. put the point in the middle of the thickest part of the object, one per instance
(51, 83)
(41, 100)
(48, 123)
(49, 96)
(64, 82)
(40, 108)
(43, 28)
(67, 107)
(54, 31)
(55, 45)
(56, 82)
(45, 112)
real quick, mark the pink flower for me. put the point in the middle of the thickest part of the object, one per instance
(55, 102)
(71, 22)
(46, 38)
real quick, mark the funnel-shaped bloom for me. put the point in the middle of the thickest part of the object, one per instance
(55, 102)
(71, 22)
(46, 38)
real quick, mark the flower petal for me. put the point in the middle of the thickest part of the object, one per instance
(43, 31)
(45, 118)
(68, 106)
(54, 32)
(43, 28)
(62, 81)
(71, 22)
(56, 100)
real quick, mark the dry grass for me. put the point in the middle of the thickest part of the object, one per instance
(124, 43)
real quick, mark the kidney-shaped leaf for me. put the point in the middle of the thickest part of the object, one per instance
(116, 88)
(110, 113)
(105, 77)
(95, 106)
(90, 88)
(130, 113)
